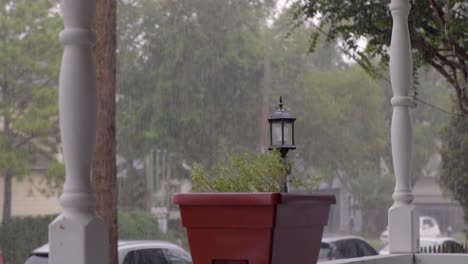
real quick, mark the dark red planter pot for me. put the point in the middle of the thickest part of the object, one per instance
(254, 228)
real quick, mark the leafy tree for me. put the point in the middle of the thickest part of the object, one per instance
(334, 116)
(341, 127)
(344, 130)
(437, 29)
(439, 41)
(194, 68)
(28, 74)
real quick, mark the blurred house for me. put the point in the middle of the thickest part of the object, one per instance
(27, 197)
(430, 200)
(345, 216)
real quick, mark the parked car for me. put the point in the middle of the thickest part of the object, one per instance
(428, 227)
(447, 245)
(132, 252)
(344, 247)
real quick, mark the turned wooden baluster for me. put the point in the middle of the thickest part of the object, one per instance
(77, 236)
(402, 219)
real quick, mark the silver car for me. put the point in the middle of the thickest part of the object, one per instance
(132, 252)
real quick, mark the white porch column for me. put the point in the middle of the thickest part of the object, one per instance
(77, 236)
(402, 219)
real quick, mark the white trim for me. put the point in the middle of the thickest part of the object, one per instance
(441, 258)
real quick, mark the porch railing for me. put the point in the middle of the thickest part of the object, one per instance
(448, 249)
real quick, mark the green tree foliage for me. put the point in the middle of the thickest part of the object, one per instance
(454, 173)
(28, 78)
(342, 122)
(437, 29)
(189, 76)
(194, 70)
(344, 130)
(345, 116)
(190, 81)
(138, 225)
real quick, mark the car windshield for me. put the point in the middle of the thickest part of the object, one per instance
(38, 259)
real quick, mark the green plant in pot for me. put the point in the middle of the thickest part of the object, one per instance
(247, 172)
(241, 213)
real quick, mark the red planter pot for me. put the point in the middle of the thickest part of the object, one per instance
(254, 228)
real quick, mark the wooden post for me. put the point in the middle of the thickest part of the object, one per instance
(104, 165)
(78, 236)
(402, 220)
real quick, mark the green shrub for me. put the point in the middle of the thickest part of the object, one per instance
(248, 172)
(139, 225)
(21, 235)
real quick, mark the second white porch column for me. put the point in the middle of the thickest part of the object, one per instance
(402, 220)
(77, 236)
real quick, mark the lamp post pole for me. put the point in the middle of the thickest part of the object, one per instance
(282, 136)
(288, 172)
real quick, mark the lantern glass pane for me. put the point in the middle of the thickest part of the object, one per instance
(288, 133)
(276, 137)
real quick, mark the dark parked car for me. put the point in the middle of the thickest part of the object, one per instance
(344, 247)
(132, 252)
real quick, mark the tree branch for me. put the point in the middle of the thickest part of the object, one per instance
(438, 12)
(24, 141)
(454, 83)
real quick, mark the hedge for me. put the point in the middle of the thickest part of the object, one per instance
(21, 235)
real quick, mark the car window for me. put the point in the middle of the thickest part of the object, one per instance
(38, 259)
(427, 223)
(175, 256)
(145, 256)
(345, 249)
(325, 252)
(452, 247)
(364, 249)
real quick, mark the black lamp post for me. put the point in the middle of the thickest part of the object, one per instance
(282, 133)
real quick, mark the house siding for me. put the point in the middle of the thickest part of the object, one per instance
(430, 200)
(27, 201)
